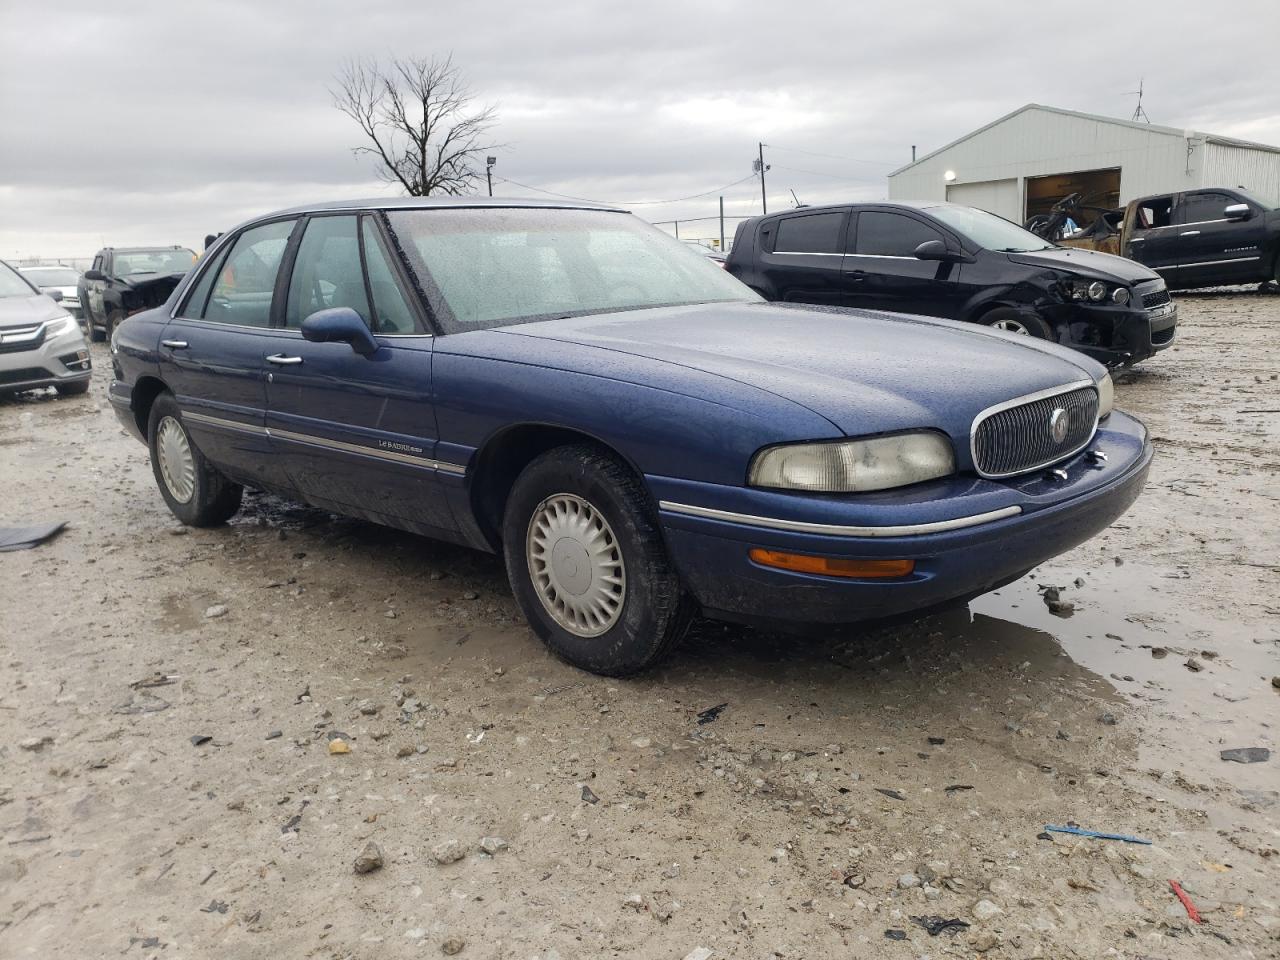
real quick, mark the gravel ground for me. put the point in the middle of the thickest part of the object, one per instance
(848, 784)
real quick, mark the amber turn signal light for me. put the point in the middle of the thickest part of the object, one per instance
(832, 566)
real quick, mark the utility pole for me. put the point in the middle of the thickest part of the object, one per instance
(488, 171)
(913, 153)
(722, 224)
(764, 203)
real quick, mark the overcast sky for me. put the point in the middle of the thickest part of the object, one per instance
(126, 123)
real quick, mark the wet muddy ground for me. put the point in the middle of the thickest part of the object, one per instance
(851, 787)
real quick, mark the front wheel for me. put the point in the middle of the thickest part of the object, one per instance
(1022, 322)
(195, 491)
(588, 565)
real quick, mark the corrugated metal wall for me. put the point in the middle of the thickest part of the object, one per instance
(1037, 141)
(1258, 171)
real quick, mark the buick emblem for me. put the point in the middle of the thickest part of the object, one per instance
(1059, 425)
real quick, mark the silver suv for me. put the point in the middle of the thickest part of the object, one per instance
(40, 342)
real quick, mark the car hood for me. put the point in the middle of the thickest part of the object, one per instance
(1089, 263)
(140, 280)
(864, 372)
(24, 311)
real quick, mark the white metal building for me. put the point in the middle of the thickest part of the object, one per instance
(1023, 163)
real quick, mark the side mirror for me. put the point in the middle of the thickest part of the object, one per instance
(53, 293)
(1238, 211)
(340, 325)
(936, 250)
(94, 275)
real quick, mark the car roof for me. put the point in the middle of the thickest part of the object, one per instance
(905, 204)
(167, 246)
(429, 203)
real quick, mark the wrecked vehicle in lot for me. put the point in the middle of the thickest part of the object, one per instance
(40, 342)
(956, 262)
(639, 435)
(1201, 238)
(124, 280)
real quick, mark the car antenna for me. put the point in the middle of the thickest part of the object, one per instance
(795, 198)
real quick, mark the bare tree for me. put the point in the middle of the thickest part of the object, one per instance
(419, 120)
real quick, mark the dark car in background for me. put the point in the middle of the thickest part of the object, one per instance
(636, 432)
(124, 280)
(956, 262)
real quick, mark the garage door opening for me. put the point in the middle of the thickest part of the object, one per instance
(1097, 188)
(995, 196)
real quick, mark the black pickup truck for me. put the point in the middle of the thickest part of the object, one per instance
(124, 280)
(1201, 238)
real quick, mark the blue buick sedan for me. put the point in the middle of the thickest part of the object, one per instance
(639, 435)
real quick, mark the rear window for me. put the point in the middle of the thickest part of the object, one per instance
(814, 233)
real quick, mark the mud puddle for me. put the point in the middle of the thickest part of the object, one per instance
(1196, 673)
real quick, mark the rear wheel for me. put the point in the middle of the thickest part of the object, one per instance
(588, 565)
(195, 491)
(91, 327)
(1023, 322)
(114, 317)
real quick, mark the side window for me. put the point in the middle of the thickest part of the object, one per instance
(891, 235)
(327, 272)
(814, 233)
(1156, 212)
(97, 262)
(241, 292)
(1199, 207)
(391, 311)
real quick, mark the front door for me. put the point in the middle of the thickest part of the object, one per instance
(882, 272)
(356, 433)
(211, 355)
(801, 256)
(1213, 249)
(93, 290)
(1153, 237)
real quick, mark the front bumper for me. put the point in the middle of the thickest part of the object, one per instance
(54, 360)
(1116, 335)
(978, 536)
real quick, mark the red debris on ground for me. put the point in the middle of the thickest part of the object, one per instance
(1181, 894)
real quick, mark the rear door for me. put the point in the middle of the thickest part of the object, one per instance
(882, 272)
(93, 290)
(1153, 237)
(800, 256)
(211, 354)
(356, 432)
(1212, 248)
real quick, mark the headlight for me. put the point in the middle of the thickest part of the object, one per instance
(1120, 295)
(56, 328)
(854, 466)
(1097, 291)
(1093, 290)
(1106, 395)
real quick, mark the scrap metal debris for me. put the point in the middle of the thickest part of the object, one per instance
(588, 796)
(1246, 755)
(1181, 894)
(24, 538)
(936, 925)
(891, 794)
(215, 906)
(710, 714)
(1097, 835)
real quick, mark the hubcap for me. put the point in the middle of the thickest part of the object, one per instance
(177, 465)
(576, 565)
(1012, 326)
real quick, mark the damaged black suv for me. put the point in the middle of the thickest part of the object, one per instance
(944, 260)
(124, 280)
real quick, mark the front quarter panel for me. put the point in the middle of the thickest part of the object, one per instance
(134, 357)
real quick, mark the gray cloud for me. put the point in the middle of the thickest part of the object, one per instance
(159, 122)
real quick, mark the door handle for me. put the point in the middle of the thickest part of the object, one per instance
(856, 276)
(174, 344)
(283, 361)
(1138, 240)
(1190, 233)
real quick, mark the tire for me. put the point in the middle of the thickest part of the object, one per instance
(72, 389)
(195, 491)
(593, 513)
(114, 319)
(1026, 322)
(95, 334)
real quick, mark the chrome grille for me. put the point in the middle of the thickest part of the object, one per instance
(1159, 298)
(1012, 439)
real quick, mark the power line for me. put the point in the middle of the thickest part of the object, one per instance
(629, 203)
(831, 156)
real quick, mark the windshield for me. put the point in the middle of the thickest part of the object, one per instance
(988, 231)
(128, 263)
(495, 267)
(1253, 198)
(51, 276)
(12, 284)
